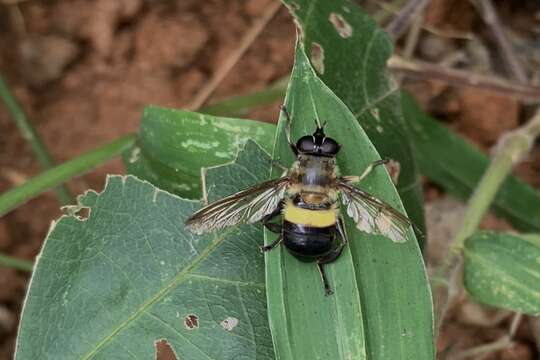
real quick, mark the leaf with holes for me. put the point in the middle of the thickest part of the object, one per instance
(503, 270)
(113, 284)
(173, 146)
(381, 308)
(349, 52)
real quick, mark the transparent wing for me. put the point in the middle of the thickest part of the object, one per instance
(247, 206)
(373, 215)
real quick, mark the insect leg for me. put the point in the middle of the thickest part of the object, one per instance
(272, 245)
(341, 231)
(327, 289)
(278, 164)
(355, 179)
(288, 130)
(275, 228)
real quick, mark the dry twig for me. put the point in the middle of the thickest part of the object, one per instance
(399, 25)
(231, 61)
(503, 343)
(424, 70)
(491, 18)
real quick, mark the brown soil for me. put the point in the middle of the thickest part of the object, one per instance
(83, 72)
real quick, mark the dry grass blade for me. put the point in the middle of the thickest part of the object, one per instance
(248, 39)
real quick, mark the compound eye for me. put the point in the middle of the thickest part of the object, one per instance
(330, 147)
(305, 144)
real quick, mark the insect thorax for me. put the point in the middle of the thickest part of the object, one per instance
(313, 181)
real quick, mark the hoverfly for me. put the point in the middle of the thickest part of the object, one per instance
(307, 197)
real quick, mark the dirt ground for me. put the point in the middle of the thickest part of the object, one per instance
(84, 70)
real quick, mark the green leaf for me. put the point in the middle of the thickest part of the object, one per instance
(381, 308)
(350, 52)
(111, 285)
(503, 270)
(457, 166)
(173, 146)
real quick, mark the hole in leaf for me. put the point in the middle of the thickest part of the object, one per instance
(342, 27)
(191, 322)
(164, 351)
(82, 213)
(229, 323)
(317, 57)
(135, 155)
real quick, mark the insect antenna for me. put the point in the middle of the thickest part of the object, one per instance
(318, 123)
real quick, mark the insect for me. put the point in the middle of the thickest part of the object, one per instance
(307, 198)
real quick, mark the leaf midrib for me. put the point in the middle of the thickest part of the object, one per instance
(176, 281)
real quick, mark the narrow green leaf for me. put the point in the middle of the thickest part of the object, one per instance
(381, 308)
(31, 135)
(173, 146)
(111, 285)
(349, 52)
(458, 166)
(503, 270)
(19, 264)
(61, 173)
(241, 104)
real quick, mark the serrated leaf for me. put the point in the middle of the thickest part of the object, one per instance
(458, 166)
(350, 52)
(173, 146)
(111, 285)
(382, 307)
(503, 270)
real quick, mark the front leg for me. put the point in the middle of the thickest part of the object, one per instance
(288, 122)
(356, 179)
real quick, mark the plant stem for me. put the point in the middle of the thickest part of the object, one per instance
(401, 22)
(29, 133)
(422, 70)
(508, 52)
(510, 150)
(58, 174)
(23, 265)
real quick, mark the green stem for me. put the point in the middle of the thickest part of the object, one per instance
(239, 105)
(510, 149)
(23, 265)
(63, 172)
(29, 133)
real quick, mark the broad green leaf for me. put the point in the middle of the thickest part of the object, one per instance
(503, 270)
(382, 307)
(110, 286)
(173, 146)
(457, 166)
(350, 52)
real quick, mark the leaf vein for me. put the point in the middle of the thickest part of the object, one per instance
(177, 280)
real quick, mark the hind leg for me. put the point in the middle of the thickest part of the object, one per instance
(332, 256)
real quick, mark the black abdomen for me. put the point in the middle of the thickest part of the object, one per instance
(308, 243)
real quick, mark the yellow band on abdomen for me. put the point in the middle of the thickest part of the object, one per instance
(313, 218)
